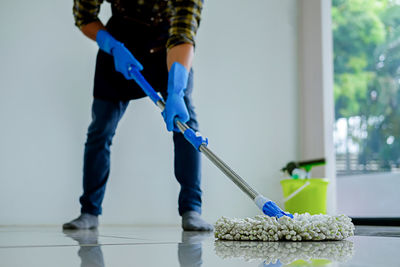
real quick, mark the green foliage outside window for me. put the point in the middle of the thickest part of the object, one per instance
(367, 80)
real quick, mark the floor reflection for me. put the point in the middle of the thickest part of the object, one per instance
(90, 251)
(190, 249)
(284, 253)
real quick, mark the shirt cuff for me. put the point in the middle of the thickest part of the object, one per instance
(178, 39)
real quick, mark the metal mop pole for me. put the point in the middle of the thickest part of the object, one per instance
(245, 187)
(200, 143)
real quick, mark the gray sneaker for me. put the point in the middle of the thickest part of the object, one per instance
(192, 221)
(84, 221)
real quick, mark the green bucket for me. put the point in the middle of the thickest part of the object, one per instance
(305, 195)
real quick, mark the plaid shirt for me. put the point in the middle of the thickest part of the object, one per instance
(184, 16)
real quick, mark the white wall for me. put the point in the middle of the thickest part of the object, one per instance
(245, 93)
(369, 195)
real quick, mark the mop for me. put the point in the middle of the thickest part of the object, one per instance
(276, 224)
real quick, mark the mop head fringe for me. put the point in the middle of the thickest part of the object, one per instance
(303, 227)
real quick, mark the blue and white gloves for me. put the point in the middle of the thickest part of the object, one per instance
(175, 106)
(123, 58)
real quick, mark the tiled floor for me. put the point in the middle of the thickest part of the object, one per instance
(169, 246)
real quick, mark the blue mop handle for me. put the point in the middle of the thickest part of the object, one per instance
(195, 138)
(146, 87)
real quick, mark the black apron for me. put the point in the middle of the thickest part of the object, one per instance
(145, 34)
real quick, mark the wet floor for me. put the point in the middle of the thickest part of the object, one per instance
(169, 246)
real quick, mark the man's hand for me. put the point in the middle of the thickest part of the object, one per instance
(179, 62)
(123, 58)
(175, 106)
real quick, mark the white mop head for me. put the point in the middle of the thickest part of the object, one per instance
(302, 227)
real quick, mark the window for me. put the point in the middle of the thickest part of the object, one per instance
(366, 37)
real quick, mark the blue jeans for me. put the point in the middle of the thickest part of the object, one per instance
(96, 169)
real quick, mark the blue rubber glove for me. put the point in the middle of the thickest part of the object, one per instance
(175, 106)
(123, 58)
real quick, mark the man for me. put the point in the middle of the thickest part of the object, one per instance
(156, 37)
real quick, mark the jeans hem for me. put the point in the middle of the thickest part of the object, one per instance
(91, 211)
(191, 208)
